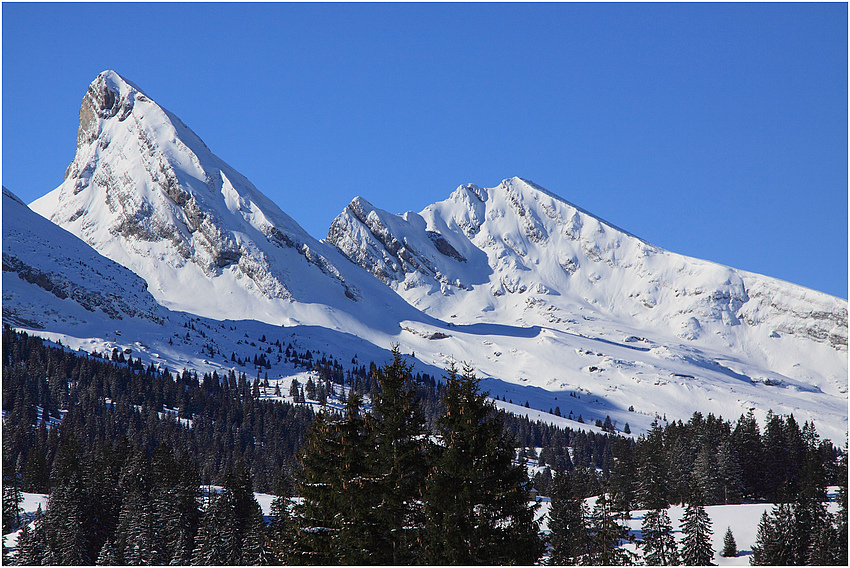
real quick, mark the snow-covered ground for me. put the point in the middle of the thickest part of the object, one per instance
(742, 519)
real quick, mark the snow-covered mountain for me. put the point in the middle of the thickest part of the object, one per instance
(518, 253)
(519, 246)
(551, 304)
(146, 192)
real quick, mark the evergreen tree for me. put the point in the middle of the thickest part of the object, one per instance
(828, 545)
(107, 555)
(256, 548)
(659, 545)
(729, 469)
(12, 499)
(138, 533)
(730, 548)
(746, 440)
(608, 530)
(568, 533)
(841, 517)
(774, 538)
(335, 522)
(215, 543)
(32, 549)
(477, 500)
(399, 461)
(706, 475)
(696, 529)
(621, 480)
(652, 482)
(65, 524)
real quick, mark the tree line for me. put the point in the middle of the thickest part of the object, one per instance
(429, 472)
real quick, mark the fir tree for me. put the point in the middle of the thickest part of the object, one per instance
(214, 544)
(568, 533)
(477, 500)
(774, 538)
(746, 440)
(107, 555)
(335, 522)
(608, 530)
(399, 460)
(652, 482)
(706, 475)
(730, 548)
(659, 546)
(32, 544)
(696, 541)
(729, 469)
(621, 480)
(12, 499)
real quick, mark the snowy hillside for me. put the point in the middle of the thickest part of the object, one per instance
(44, 265)
(553, 306)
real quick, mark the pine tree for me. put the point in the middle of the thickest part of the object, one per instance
(706, 475)
(477, 500)
(107, 555)
(730, 472)
(32, 544)
(730, 548)
(659, 545)
(12, 499)
(746, 440)
(652, 482)
(696, 529)
(568, 533)
(621, 481)
(175, 502)
(214, 544)
(774, 538)
(256, 548)
(65, 524)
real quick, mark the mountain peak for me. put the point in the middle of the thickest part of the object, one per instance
(146, 192)
(107, 96)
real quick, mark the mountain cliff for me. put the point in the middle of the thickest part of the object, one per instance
(49, 275)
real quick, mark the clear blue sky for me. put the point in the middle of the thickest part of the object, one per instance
(713, 130)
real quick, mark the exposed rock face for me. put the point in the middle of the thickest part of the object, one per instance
(144, 190)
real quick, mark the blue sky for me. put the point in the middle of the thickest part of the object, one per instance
(718, 131)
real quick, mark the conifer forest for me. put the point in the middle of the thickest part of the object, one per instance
(146, 466)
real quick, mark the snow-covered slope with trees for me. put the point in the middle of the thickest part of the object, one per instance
(551, 305)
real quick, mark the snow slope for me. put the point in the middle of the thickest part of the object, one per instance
(552, 305)
(44, 265)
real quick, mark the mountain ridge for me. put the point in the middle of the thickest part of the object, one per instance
(543, 297)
